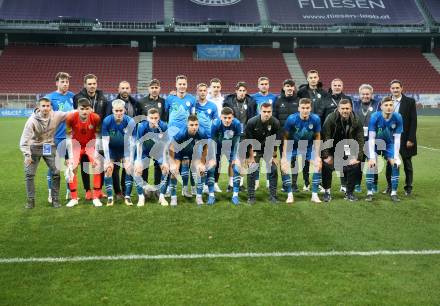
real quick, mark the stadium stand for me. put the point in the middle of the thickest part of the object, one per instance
(170, 62)
(128, 11)
(31, 69)
(245, 11)
(376, 66)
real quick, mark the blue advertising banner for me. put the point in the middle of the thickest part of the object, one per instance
(340, 12)
(16, 112)
(218, 52)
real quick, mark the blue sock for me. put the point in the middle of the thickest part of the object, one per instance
(287, 182)
(185, 174)
(236, 178)
(164, 179)
(139, 182)
(173, 186)
(316, 180)
(108, 182)
(369, 179)
(128, 185)
(394, 178)
(49, 179)
(211, 180)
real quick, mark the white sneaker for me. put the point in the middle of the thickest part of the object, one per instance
(72, 203)
(141, 201)
(49, 199)
(97, 203)
(343, 189)
(306, 188)
(217, 188)
(315, 199)
(205, 189)
(173, 201)
(290, 198)
(199, 200)
(163, 201)
(128, 201)
(257, 185)
(186, 193)
(321, 189)
(168, 192)
(194, 190)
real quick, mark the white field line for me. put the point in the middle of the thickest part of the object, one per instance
(428, 148)
(216, 255)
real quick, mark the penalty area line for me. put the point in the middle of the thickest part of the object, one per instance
(216, 255)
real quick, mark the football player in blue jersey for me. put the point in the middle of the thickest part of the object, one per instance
(302, 137)
(226, 134)
(263, 96)
(385, 125)
(61, 100)
(118, 130)
(187, 149)
(152, 143)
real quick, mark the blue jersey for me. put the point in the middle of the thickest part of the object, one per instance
(116, 132)
(385, 129)
(159, 134)
(183, 137)
(179, 109)
(260, 99)
(62, 103)
(298, 129)
(219, 133)
(206, 114)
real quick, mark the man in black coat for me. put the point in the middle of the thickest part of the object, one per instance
(99, 105)
(406, 107)
(152, 100)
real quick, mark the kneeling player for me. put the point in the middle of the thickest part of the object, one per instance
(118, 143)
(82, 129)
(302, 126)
(224, 130)
(151, 144)
(386, 125)
(185, 153)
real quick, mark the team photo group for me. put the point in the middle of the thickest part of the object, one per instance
(191, 140)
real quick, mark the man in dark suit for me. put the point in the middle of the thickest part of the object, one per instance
(406, 106)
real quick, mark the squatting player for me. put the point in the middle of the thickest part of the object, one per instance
(152, 140)
(82, 131)
(118, 143)
(386, 125)
(299, 128)
(224, 130)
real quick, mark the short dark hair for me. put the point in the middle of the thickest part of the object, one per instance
(312, 71)
(193, 118)
(62, 76)
(345, 101)
(396, 81)
(266, 104)
(227, 111)
(153, 111)
(154, 82)
(289, 82)
(386, 99)
(181, 77)
(83, 102)
(89, 77)
(240, 84)
(44, 99)
(305, 101)
(263, 78)
(215, 80)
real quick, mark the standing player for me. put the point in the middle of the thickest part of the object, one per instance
(263, 96)
(387, 126)
(184, 150)
(117, 139)
(226, 134)
(263, 128)
(82, 131)
(215, 95)
(179, 107)
(152, 141)
(302, 128)
(61, 100)
(206, 110)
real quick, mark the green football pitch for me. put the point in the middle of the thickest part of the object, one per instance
(222, 255)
